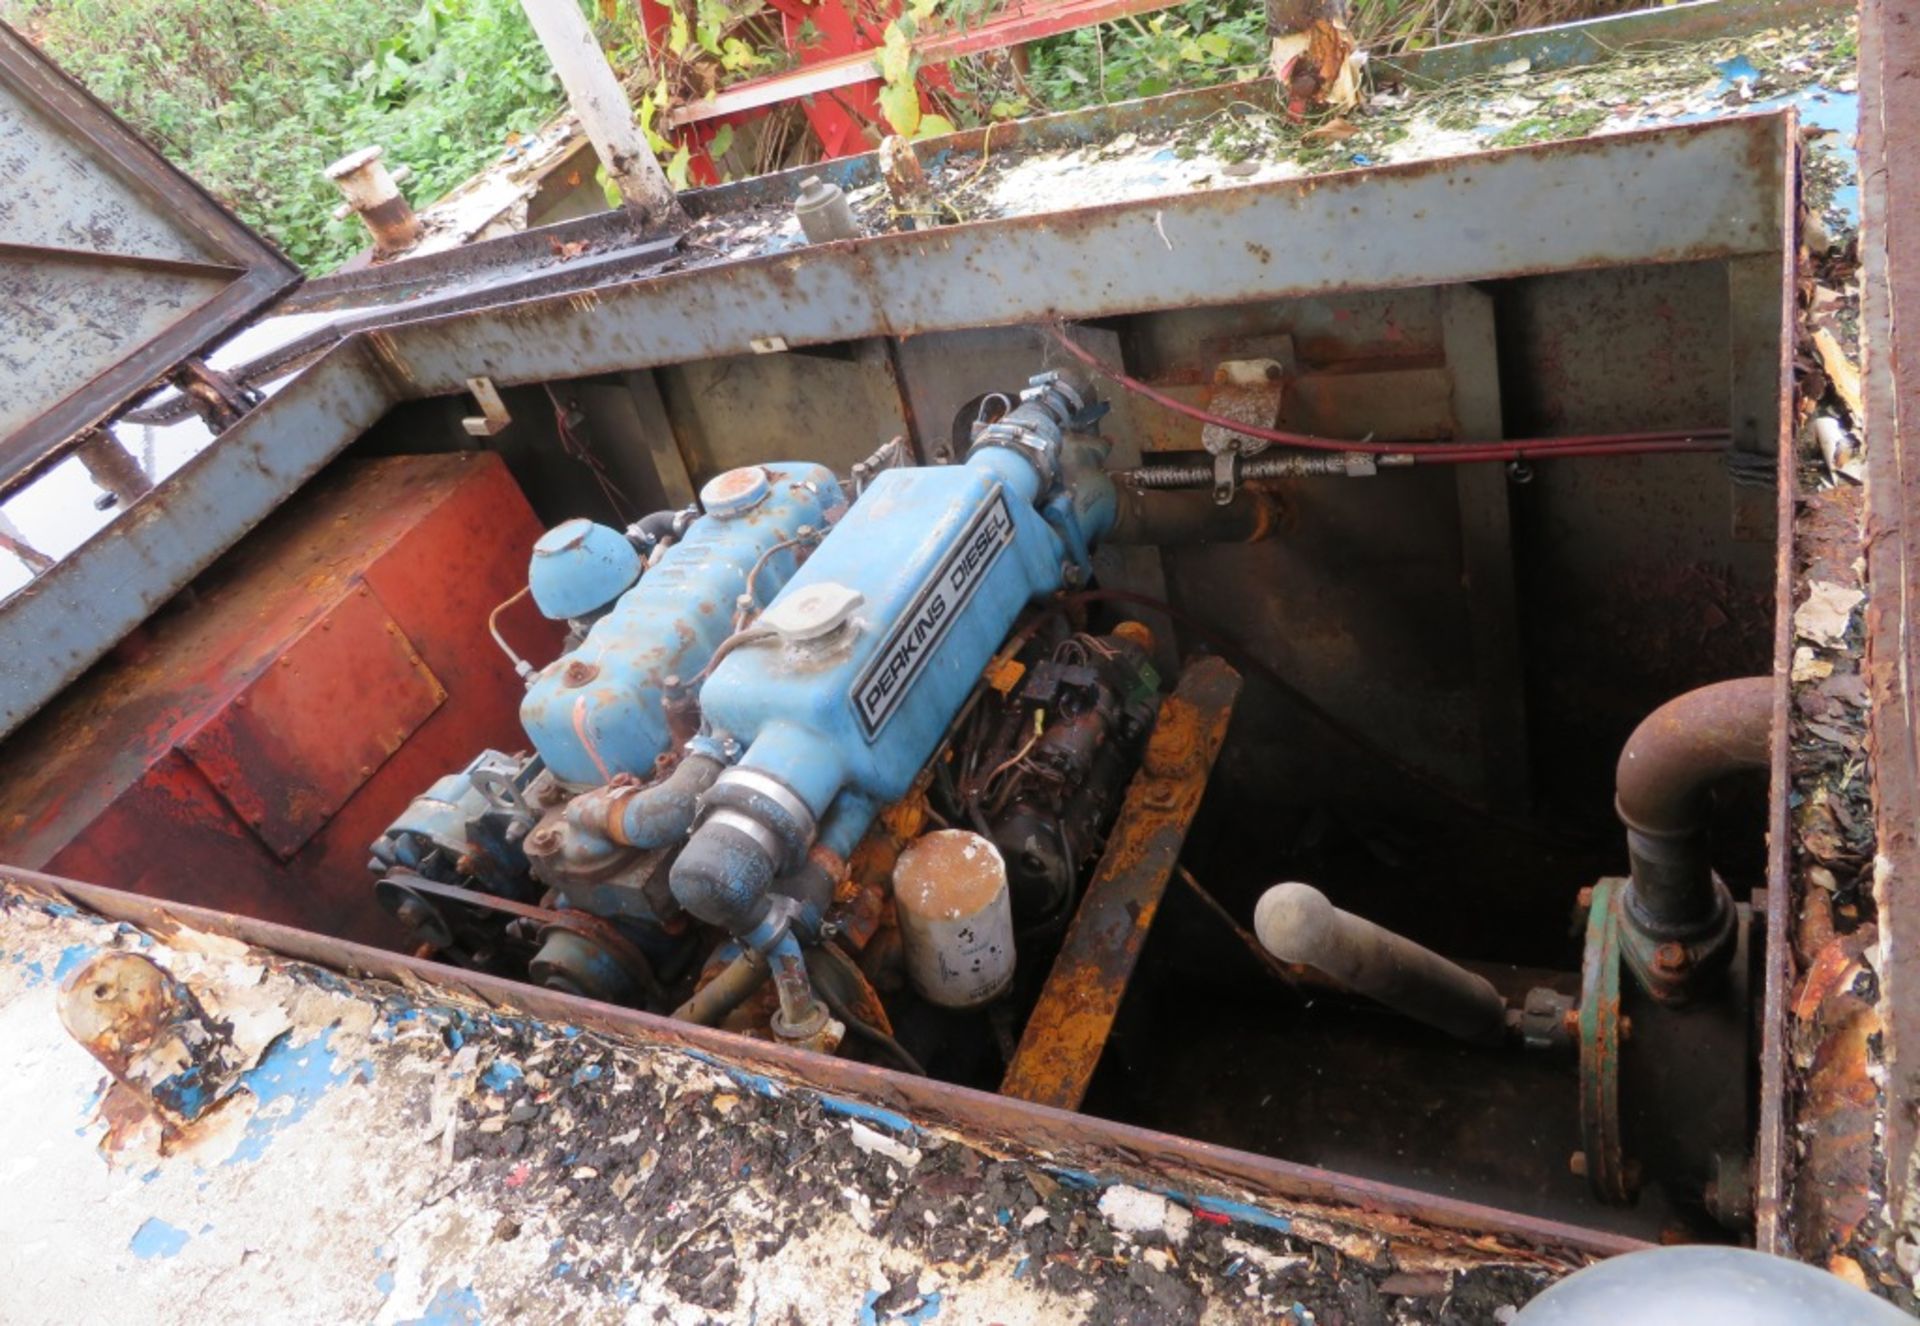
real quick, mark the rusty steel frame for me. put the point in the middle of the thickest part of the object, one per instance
(1701, 191)
(1220, 1178)
(1067, 1032)
(256, 270)
(1890, 284)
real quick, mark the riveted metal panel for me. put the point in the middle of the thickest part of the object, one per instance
(278, 753)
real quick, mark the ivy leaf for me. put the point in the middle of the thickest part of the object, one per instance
(922, 10)
(736, 55)
(896, 57)
(900, 103)
(722, 142)
(678, 168)
(607, 189)
(677, 35)
(932, 126)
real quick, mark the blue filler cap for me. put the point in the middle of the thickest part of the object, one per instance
(580, 567)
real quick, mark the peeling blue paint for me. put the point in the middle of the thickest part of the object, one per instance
(1020, 1271)
(297, 1074)
(452, 1305)
(156, 1238)
(383, 1283)
(1241, 1213)
(899, 1123)
(70, 957)
(500, 1075)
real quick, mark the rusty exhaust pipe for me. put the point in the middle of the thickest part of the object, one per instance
(1680, 917)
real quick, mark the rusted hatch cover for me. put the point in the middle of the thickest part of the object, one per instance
(114, 266)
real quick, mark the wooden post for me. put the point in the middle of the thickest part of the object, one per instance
(601, 103)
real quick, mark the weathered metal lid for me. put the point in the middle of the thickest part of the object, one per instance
(114, 266)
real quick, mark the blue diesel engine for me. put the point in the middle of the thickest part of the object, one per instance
(757, 688)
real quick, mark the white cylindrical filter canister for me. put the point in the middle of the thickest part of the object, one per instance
(956, 921)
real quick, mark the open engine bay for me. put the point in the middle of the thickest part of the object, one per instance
(1297, 668)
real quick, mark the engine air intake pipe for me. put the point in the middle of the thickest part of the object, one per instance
(1296, 923)
(1667, 769)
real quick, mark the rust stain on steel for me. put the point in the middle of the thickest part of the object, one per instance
(1068, 1031)
(168, 1059)
(1836, 1120)
(1890, 256)
(1776, 961)
(1416, 1226)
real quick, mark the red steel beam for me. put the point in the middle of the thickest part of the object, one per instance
(1021, 21)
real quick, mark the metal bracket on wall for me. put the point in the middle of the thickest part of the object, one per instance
(493, 417)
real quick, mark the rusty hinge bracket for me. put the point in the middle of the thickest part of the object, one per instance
(218, 399)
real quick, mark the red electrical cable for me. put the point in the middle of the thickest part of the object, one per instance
(1661, 441)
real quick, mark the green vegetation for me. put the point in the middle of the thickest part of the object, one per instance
(254, 98)
(1207, 41)
(1549, 128)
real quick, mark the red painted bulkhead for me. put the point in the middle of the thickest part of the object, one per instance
(245, 748)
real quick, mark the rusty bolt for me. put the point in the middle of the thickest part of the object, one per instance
(580, 672)
(1570, 1022)
(1577, 1164)
(545, 840)
(1584, 898)
(1626, 1028)
(1670, 958)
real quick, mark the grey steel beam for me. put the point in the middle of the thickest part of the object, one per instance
(52, 630)
(1708, 190)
